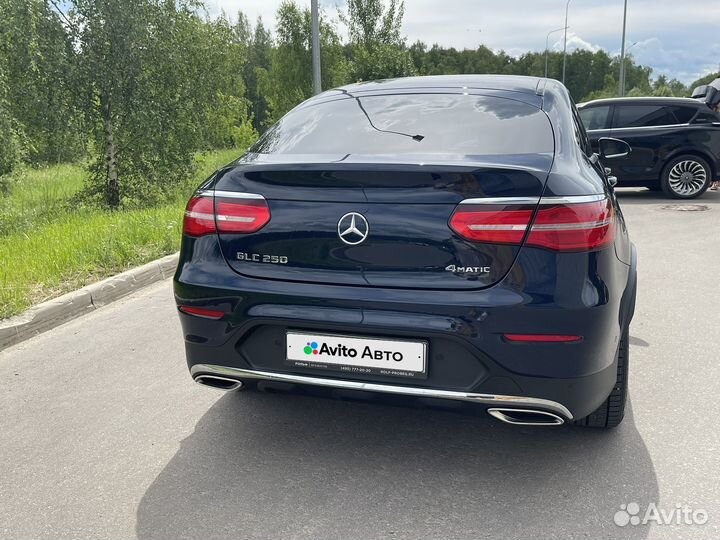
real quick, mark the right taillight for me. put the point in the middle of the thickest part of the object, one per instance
(558, 225)
(586, 226)
(225, 213)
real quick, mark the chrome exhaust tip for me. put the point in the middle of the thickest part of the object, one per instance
(220, 383)
(526, 417)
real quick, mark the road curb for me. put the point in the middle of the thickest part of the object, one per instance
(60, 310)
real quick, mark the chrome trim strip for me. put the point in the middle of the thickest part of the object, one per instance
(570, 199)
(482, 399)
(502, 200)
(199, 215)
(571, 226)
(664, 126)
(235, 219)
(236, 384)
(574, 199)
(505, 415)
(229, 194)
(507, 227)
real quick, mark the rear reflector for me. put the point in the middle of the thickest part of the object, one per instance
(225, 214)
(202, 312)
(541, 338)
(564, 226)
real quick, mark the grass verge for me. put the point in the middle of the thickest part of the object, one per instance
(48, 249)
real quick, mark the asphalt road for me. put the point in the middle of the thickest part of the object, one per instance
(103, 434)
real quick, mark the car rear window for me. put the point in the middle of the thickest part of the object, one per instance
(706, 117)
(596, 117)
(411, 124)
(641, 116)
(683, 114)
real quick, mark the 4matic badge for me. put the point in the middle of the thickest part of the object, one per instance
(467, 269)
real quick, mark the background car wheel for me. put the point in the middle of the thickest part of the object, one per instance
(686, 177)
(612, 411)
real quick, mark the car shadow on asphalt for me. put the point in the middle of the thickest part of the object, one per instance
(291, 466)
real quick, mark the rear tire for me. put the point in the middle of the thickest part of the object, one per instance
(686, 177)
(612, 411)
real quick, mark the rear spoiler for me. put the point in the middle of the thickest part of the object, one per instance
(708, 93)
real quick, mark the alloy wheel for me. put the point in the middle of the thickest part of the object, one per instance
(687, 178)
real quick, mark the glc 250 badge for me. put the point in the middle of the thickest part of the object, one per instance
(468, 269)
(259, 258)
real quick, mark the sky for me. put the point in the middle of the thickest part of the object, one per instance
(678, 38)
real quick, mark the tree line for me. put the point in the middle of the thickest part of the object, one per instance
(135, 89)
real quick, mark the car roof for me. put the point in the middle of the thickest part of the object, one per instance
(530, 90)
(649, 99)
(514, 83)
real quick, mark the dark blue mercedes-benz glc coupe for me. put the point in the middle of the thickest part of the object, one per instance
(451, 239)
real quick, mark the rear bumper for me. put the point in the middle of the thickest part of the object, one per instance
(457, 370)
(469, 361)
(491, 400)
(586, 294)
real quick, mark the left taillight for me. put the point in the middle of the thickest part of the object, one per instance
(199, 216)
(225, 213)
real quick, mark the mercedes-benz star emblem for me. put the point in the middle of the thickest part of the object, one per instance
(353, 228)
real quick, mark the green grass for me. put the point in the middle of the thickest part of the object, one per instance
(47, 248)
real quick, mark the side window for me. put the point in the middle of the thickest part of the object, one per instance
(580, 133)
(596, 117)
(706, 117)
(630, 115)
(682, 114)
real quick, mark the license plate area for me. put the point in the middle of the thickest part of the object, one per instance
(357, 355)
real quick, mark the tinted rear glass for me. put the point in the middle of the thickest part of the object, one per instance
(596, 117)
(683, 114)
(706, 117)
(641, 116)
(411, 124)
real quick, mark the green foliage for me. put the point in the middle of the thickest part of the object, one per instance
(141, 92)
(259, 45)
(289, 80)
(9, 145)
(139, 86)
(662, 91)
(664, 87)
(37, 60)
(49, 245)
(376, 46)
(589, 75)
(157, 83)
(36, 196)
(707, 79)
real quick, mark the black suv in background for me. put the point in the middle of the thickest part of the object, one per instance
(675, 142)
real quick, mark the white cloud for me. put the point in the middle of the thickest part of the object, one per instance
(682, 63)
(574, 43)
